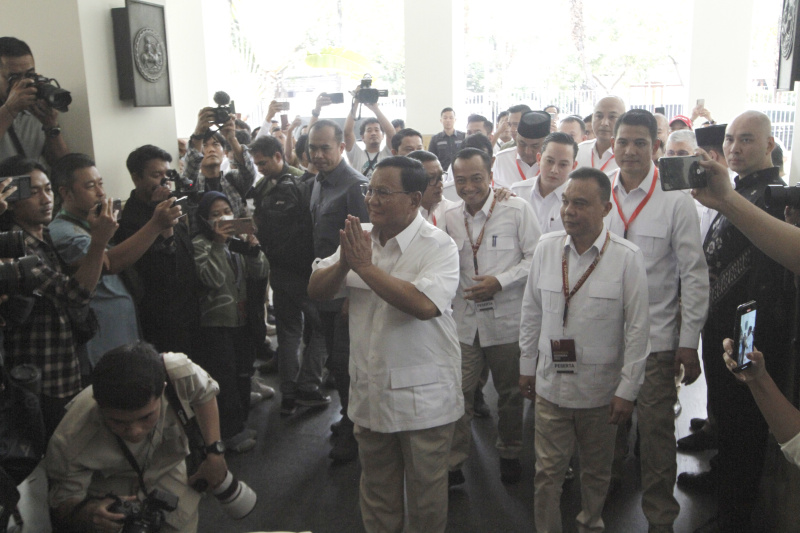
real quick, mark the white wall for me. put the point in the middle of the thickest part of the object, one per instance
(721, 33)
(435, 77)
(72, 41)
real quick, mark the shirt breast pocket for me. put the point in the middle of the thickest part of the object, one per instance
(499, 246)
(550, 288)
(652, 239)
(604, 301)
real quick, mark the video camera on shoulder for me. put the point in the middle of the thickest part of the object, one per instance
(366, 94)
(146, 516)
(47, 89)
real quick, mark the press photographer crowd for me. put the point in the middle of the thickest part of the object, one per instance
(579, 261)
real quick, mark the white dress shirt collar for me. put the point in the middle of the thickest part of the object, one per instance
(644, 185)
(597, 244)
(403, 238)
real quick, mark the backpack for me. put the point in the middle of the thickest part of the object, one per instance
(285, 228)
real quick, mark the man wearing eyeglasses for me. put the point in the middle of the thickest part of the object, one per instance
(28, 125)
(400, 276)
(433, 205)
(496, 241)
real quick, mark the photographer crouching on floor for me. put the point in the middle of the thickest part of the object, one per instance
(119, 455)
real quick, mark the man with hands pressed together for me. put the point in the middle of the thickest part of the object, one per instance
(584, 341)
(405, 394)
(664, 225)
(496, 240)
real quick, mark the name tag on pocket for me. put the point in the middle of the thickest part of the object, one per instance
(565, 360)
(488, 305)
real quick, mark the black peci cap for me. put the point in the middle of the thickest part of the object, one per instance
(534, 125)
(711, 135)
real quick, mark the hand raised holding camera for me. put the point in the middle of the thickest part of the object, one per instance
(102, 226)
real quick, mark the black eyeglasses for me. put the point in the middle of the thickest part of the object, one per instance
(433, 180)
(382, 194)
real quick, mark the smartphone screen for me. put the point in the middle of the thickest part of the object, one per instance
(240, 225)
(745, 332)
(23, 184)
(701, 102)
(682, 172)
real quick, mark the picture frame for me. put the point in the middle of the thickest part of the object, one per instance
(788, 42)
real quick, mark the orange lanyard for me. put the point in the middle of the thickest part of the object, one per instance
(565, 275)
(477, 244)
(627, 223)
(604, 164)
(521, 173)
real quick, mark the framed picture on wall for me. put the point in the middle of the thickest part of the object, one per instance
(140, 40)
(789, 55)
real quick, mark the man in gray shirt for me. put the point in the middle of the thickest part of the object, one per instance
(336, 194)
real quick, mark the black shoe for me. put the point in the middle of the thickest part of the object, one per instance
(712, 526)
(267, 367)
(455, 477)
(510, 471)
(345, 448)
(314, 398)
(696, 424)
(288, 407)
(697, 442)
(698, 482)
(479, 405)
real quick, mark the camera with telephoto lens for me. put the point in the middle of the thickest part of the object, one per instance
(49, 90)
(183, 185)
(225, 108)
(366, 94)
(146, 516)
(782, 196)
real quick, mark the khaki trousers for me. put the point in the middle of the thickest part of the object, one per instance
(657, 440)
(558, 431)
(414, 459)
(503, 361)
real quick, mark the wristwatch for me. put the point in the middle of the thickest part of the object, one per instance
(53, 131)
(217, 448)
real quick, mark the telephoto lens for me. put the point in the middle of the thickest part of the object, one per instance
(236, 498)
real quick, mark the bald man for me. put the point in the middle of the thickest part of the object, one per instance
(598, 152)
(739, 273)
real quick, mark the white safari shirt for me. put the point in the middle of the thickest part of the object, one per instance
(505, 170)
(587, 153)
(505, 253)
(405, 373)
(608, 319)
(547, 209)
(436, 215)
(667, 232)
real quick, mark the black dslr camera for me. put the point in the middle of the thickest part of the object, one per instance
(16, 276)
(225, 108)
(146, 516)
(366, 94)
(47, 89)
(782, 196)
(183, 185)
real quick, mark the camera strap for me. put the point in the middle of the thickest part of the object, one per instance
(16, 141)
(132, 460)
(189, 423)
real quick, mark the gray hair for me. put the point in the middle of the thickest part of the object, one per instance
(683, 136)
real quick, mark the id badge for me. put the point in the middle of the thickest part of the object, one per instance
(565, 360)
(488, 305)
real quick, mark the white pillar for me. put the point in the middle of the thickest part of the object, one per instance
(435, 77)
(74, 43)
(720, 60)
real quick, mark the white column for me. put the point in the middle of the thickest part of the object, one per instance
(720, 60)
(435, 77)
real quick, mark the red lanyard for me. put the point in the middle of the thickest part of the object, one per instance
(521, 173)
(477, 244)
(565, 275)
(627, 223)
(604, 164)
(434, 220)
